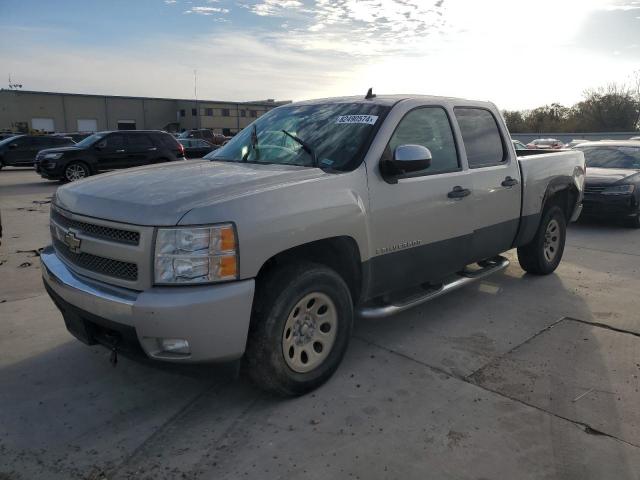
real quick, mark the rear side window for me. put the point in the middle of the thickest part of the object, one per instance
(429, 127)
(481, 137)
(139, 141)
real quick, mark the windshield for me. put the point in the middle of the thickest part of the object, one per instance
(612, 157)
(337, 134)
(90, 140)
(8, 140)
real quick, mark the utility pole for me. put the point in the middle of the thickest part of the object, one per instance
(195, 94)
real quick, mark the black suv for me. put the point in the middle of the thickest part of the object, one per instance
(108, 151)
(21, 150)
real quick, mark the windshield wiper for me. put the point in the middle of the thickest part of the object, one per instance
(254, 145)
(305, 145)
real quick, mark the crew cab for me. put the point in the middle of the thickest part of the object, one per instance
(316, 213)
(110, 150)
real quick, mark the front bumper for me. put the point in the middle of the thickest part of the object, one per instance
(214, 319)
(46, 172)
(596, 204)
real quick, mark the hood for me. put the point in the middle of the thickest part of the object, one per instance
(609, 176)
(71, 148)
(162, 194)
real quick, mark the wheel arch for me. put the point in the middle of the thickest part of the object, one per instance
(561, 192)
(341, 254)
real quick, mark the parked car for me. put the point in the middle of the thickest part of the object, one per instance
(372, 208)
(205, 134)
(76, 136)
(21, 150)
(108, 151)
(635, 138)
(612, 184)
(4, 135)
(545, 143)
(518, 145)
(196, 147)
(575, 142)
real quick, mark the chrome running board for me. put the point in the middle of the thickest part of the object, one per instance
(460, 280)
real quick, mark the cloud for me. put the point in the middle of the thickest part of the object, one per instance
(206, 10)
(274, 8)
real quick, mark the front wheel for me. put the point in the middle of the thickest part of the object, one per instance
(301, 325)
(543, 254)
(76, 171)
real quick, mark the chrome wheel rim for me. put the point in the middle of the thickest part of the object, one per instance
(551, 240)
(75, 172)
(310, 332)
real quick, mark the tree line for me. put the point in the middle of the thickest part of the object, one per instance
(614, 108)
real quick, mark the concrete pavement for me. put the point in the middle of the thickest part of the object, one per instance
(514, 377)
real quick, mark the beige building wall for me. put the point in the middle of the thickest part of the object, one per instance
(147, 113)
(84, 108)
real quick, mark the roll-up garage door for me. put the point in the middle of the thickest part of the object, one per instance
(87, 125)
(44, 124)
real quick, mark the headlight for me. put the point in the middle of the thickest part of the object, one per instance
(619, 190)
(52, 156)
(196, 255)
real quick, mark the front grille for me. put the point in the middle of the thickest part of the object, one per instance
(105, 266)
(99, 231)
(591, 189)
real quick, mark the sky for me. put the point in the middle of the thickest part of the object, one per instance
(517, 53)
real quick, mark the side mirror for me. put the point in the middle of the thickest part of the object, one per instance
(410, 158)
(101, 145)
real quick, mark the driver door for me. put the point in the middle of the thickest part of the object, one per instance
(419, 232)
(112, 152)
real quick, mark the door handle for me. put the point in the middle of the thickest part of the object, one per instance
(152, 149)
(459, 192)
(119, 151)
(509, 182)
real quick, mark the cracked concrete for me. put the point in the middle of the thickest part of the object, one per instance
(478, 384)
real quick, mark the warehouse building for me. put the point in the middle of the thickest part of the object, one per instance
(23, 111)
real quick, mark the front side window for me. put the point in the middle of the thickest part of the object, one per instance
(429, 127)
(115, 141)
(612, 157)
(338, 134)
(481, 137)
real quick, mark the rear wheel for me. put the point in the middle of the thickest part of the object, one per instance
(301, 325)
(634, 222)
(543, 254)
(76, 171)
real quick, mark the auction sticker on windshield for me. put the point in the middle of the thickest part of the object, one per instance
(366, 119)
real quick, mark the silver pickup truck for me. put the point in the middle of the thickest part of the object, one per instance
(316, 213)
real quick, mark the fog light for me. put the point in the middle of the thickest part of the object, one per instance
(174, 345)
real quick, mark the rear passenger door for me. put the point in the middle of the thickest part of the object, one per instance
(420, 233)
(495, 176)
(140, 149)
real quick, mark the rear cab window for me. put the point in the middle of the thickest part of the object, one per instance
(481, 135)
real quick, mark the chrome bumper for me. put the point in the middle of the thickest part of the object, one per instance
(214, 319)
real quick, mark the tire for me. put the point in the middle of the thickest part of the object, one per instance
(543, 254)
(75, 171)
(290, 352)
(634, 222)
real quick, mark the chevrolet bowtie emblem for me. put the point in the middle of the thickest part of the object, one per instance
(72, 241)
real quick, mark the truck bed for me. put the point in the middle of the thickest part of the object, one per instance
(541, 171)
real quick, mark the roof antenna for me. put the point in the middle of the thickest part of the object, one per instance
(370, 94)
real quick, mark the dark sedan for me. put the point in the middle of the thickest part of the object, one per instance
(196, 147)
(612, 184)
